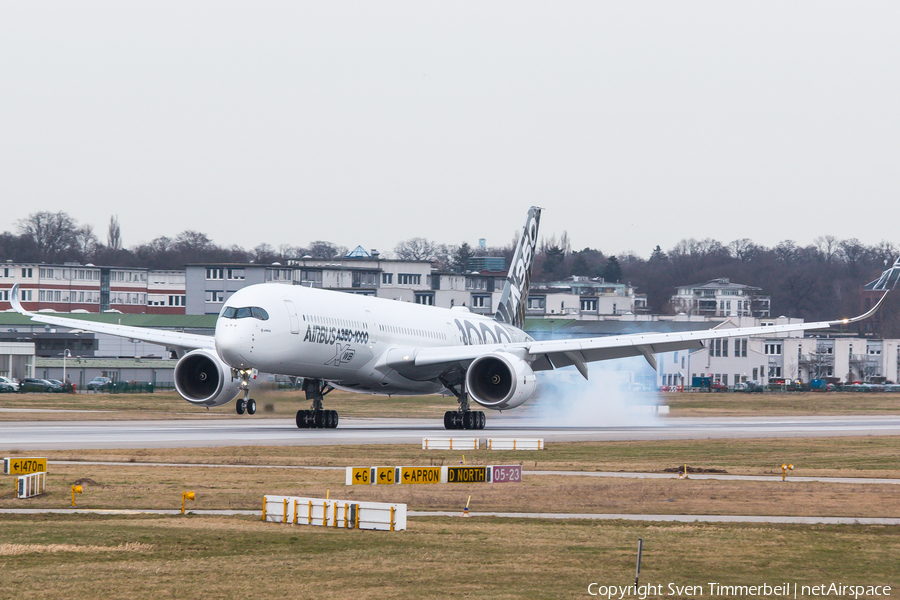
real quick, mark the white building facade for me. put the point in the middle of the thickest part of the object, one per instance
(721, 298)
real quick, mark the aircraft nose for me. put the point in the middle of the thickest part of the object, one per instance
(234, 344)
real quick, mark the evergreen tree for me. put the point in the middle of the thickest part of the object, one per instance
(613, 270)
(461, 257)
(658, 255)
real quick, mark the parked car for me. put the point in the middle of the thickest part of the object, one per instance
(63, 387)
(717, 386)
(7, 388)
(38, 385)
(9, 383)
(99, 383)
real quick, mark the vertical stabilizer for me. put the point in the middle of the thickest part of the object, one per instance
(512, 305)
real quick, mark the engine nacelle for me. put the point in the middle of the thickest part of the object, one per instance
(202, 378)
(500, 380)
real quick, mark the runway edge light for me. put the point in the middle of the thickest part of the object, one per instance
(784, 469)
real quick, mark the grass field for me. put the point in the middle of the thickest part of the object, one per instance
(874, 456)
(58, 557)
(135, 484)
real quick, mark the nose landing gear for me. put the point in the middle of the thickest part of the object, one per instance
(246, 403)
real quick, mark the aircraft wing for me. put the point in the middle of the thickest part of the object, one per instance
(186, 341)
(552, 354)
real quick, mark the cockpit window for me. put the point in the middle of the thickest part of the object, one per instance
(245, 312)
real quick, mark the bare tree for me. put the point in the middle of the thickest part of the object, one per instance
(88, 244)
(416, 248)
(263, 254)
(325, 250)
(884, 253)
(785, 251)
(743, 249)
(192, 241)
(827, 245)
(443, 257)
(286, 251)
(53, 233)
(114, 234)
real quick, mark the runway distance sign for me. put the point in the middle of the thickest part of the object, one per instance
(384, 475)
(506, 474)
(24, 466)
(420, 474)
(467, 474)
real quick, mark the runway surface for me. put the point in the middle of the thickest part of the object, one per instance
(241, 431)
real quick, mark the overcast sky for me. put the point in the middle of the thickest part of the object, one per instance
(632, 123)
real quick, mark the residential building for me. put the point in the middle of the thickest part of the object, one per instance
(731, 361)
(583, 298)
(89, 288)
(848, 359)
(721, 298)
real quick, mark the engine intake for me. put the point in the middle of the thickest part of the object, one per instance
(500, 380)
(202, 378)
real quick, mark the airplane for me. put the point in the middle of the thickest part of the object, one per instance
(334, 340)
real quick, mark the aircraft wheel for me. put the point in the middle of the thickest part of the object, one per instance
(239, 407)
(334, 419)
(448, 420)
(251, 407)
(482, 420)
(319, 419)
(301, 420)
(471, 420)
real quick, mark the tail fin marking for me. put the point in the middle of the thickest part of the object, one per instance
(513, 299)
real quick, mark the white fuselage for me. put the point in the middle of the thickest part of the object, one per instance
(346, 339)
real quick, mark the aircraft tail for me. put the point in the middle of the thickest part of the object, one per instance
(888, 280)
(513, 299)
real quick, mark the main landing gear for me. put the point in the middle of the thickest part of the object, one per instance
(316, 417)
(469, 419)
(464, 417)
(246, 403)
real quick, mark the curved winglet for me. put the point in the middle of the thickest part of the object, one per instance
(864, 316)
(14, 300)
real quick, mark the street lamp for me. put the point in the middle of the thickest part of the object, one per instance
(65, 355)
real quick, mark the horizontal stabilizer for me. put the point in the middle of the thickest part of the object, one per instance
(888, 279)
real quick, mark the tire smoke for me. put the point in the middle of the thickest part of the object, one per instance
(609, 398)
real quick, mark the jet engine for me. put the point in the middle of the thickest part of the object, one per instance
(500, 380)
(203, 379)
